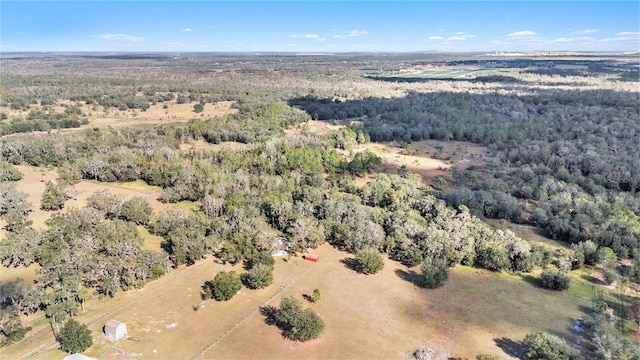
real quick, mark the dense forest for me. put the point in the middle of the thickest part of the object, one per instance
(566, 161)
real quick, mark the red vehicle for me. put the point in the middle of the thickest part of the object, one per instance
(190, 263)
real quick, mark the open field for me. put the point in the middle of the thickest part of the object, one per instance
(527, 232)
(33, 183)
(440, 73)
(464, 318)
(156, 114)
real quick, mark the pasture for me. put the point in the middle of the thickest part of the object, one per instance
(160, 113)
(367, 317)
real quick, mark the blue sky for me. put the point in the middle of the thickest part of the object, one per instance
(327, 26)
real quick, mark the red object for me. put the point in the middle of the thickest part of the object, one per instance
(312, 258)
(191, 263)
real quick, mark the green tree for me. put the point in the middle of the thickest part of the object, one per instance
(555, 279)
(75, 337)
(53, 197)
(259, 276)
(198, 108)
(369, 261)
(297, 323)
(12, 329)
(543, 346)
(264, 258)
(589, 250)
(225, 285)
(435, 272)
(136, 210)
(607, 257)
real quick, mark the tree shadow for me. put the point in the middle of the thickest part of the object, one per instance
(530, 279)
(510, 347)
(207, 290)
(591, 279)
(350, 264)
(410, 276)
(269, 312)
(308, 297)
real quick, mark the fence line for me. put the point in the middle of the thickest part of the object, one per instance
(236, 325)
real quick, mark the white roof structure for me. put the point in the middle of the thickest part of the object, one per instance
(115, 330)
(78, 356)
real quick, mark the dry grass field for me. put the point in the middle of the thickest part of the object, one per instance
(156, 114)
(367, 317)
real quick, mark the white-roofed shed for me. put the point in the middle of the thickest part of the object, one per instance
(115, 330)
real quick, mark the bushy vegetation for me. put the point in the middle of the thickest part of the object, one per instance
(369, 261)
(555, 279)
(295, 322)
(224, 286)
(75, 337)
(435, 272)
(541, 345)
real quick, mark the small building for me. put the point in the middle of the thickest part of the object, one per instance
(312, 258)
(280, 246)
(115, 330)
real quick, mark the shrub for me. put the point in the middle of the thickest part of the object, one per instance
(369, 261)
(554, 279)
(53, 197)
(223, 287)
(297, 323)
(316, 295)
(545, 346)
(435, 272)
(258, 277)
(610, 276)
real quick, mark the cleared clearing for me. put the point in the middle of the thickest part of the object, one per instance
(156, 114)
(464, 318)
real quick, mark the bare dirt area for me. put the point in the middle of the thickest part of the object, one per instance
(367, 317)
(394, 158)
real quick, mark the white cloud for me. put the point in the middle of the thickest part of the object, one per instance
(188, 30)
(521, 34)
(629, 34)
(291, 45)
(119, 37)
(624, 36)
(436, 38)
(305, 36)
(571, 39)
(352, 33)
(460, 36)
(585, 32)
(321, 39)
